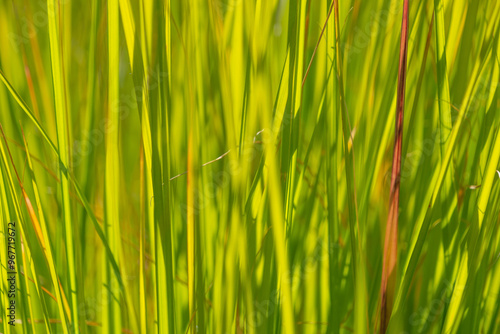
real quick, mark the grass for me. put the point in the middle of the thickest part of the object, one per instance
(235, 166)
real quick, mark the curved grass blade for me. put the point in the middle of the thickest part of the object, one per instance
(65, 171)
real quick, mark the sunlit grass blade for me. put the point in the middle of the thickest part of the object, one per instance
(359, 300)
(425, 214)
(112, 316)
(46, 246)
(63, 149)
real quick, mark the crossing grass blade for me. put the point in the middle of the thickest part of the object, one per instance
(46, 246)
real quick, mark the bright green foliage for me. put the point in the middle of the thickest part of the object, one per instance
(224, 166)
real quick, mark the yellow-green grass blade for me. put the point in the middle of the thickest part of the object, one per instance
(6, 218)
(28, 298)
(332, 139)
(128, 24)
(360, 304)
(425, 214)
(469, 263)
(112, 316)
(448, 193)
(291, 131)
(47, 244)
(3, 272)
(65, 171)
(21, 243)
(278, 224)
(59, 84)
(142, 230)
(154, 122)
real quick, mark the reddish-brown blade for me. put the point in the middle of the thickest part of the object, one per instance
(391, 233)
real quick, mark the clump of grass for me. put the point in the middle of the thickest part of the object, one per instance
(225, 166)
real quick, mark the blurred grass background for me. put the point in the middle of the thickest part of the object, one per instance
(223, 166)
